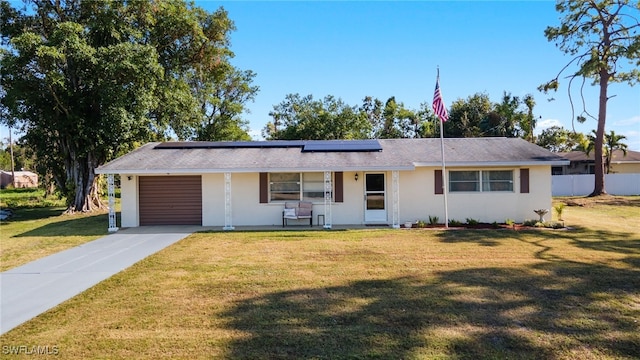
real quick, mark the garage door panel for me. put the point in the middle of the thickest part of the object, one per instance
(170, 200)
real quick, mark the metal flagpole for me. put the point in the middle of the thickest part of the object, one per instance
(444, 178)
(441, 111)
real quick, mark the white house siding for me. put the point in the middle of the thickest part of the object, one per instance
(416, 199)
(247, 211)
(245, 199)
(129, 201)
(499, 206)
(625, 168)
(213, 199)
(246, 208)
(351, 210)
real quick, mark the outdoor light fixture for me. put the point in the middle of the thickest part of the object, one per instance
(356, 177)
(129, 177)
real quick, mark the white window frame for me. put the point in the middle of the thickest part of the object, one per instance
(453, 183)
(483, 183)
(488, 182)
(301, 191)
(283, 185)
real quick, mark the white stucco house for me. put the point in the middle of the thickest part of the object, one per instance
(349, 182)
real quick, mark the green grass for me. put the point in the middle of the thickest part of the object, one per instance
(39, 228)
(27, 198)
(388, 294)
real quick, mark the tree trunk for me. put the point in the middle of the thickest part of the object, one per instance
(599, 188)
(82, 178)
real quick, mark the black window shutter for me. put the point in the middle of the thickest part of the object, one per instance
(524, 181)
(339, 192)
(438, 182)
(264, 188)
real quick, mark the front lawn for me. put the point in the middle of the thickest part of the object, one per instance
(38, 227)
(389, 294)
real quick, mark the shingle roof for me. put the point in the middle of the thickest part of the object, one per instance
(618, 156)
(396, 154)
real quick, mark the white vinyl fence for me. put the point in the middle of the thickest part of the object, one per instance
(579, 185)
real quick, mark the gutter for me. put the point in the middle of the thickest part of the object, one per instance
(492, 163)
(247, 170)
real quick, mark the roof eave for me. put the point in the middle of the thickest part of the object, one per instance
(493, 163)
(248, 170)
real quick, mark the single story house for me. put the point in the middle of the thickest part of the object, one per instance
(24, 179)
(580, 163)
(349, 182)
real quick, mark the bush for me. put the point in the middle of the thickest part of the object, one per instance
(554, 225)
(559, 208)
(453, 222)
(433, 220)
(472, 222)
(28, 198)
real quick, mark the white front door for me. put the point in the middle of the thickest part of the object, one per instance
(375, 209)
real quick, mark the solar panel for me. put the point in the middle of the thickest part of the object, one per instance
(229, 144)
(342, 146)
(305, 145)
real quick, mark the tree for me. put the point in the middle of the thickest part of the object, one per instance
(559, 139)
(505, 119)
(222, 102)
(529, 123)
(428, 123)
(612, 142)
(372, 110)
(304, 118)
(466, 116)
(397, 121)
(21, 157)
(87, 80)
(599, 36)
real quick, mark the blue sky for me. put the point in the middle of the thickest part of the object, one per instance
(382, 49)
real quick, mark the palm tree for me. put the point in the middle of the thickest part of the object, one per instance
(529, 102)
(611, 143)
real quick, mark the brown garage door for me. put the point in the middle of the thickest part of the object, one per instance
(170, 200)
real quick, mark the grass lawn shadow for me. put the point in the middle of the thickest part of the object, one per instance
(478, 313)
(74, 225)
(599, 240)
(386, 319)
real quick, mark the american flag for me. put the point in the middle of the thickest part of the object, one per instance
(438, 103)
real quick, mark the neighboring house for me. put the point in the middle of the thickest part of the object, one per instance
(350, 182)
(24, 179)
(580, 163)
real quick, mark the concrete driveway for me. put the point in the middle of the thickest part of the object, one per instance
(29, 290)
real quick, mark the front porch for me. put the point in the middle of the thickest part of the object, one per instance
(227, 203)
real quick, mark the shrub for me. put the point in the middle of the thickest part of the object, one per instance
(553, 225)
(510, 222)
(559, 208)
(530, 222)
(453, 222)
(433, 220)
(472, 221)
